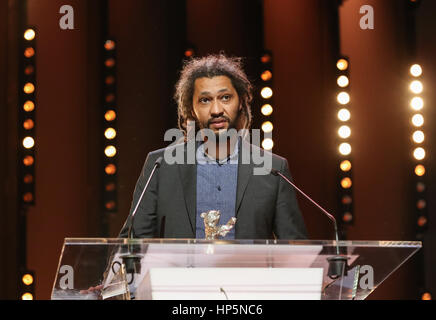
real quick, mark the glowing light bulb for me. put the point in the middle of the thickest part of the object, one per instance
(419, 153)
(266, 109)
(266, 93)
(343, 98)
(345, 149)
(267, 144)
(416, 87)
(267, 126)
(416, 70)
(28, 142)
(344, 132)
(418, 120)
(343, 81)
(110, 151)
(344, 115)
(110, 133)
(418, 136)
(417, 103)
(29, 34)
(345, 165)
(342, 64)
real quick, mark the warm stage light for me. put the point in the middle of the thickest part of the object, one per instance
(27, 279)
(343, 98)
(416, 87)
(421, 204)
(189, 53)
(28, 197)
(110, 169)
(110, 115)
(347, 217)
(343, 81)
(345, 165)
(109, 80)
(29, 70)
(266, 93)
(28, 178)
(420, 187)
(110, 98)
(346, 183)
(267, 126)
(417, 103)
(28, 142)
(29, 34)
(110, 187)
(110, 205)
(419, 170)
(346, 200)
(109, 62)
(265, 58)
(28, 124)
(426, 296)
(109, 45)
(344, 132)
(418, 120)
(266, 75)
(419, 153)
(29, 88)
(416, 70)
(27, 296)
(267, 144)
(110, 133)
(28, 161)
(418, 136)
(345, 149)
(110, 151)
(29, 52)
(344, 115)
(342, 64)
(422, 221)
(266, 109)
(29, 106)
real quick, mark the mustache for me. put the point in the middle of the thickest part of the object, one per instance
(209, 122)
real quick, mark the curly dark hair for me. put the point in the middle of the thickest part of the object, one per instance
(211, 66)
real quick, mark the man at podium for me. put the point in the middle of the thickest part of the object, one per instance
(214, 184)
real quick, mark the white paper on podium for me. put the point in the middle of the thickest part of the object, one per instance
(231, 284)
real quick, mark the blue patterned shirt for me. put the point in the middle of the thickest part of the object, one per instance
(216, 188)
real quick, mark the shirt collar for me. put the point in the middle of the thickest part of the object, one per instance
(203, 157)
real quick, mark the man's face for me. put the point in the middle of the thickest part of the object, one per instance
(216, 103)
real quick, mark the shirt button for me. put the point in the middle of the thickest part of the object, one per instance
(219, 188)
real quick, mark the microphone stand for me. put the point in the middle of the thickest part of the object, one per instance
(337, 263)
(132, 261)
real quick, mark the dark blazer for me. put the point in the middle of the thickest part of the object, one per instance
(266, 206)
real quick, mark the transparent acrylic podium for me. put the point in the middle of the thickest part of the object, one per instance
(183, 269)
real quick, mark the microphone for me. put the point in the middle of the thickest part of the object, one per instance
(338, 262)
(132, 260)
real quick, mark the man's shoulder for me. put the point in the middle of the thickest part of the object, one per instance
(170, 148)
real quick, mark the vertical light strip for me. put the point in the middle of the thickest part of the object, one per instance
(266, 97)
(110, 132)
(27, 110)
(26, 151)
(344, 132)
(419, 151)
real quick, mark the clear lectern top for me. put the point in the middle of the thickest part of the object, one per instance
(86, 263)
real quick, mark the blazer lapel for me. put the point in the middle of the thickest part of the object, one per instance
(245, 171)
(188, 177)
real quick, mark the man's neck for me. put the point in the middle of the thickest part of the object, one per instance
(221, 150)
